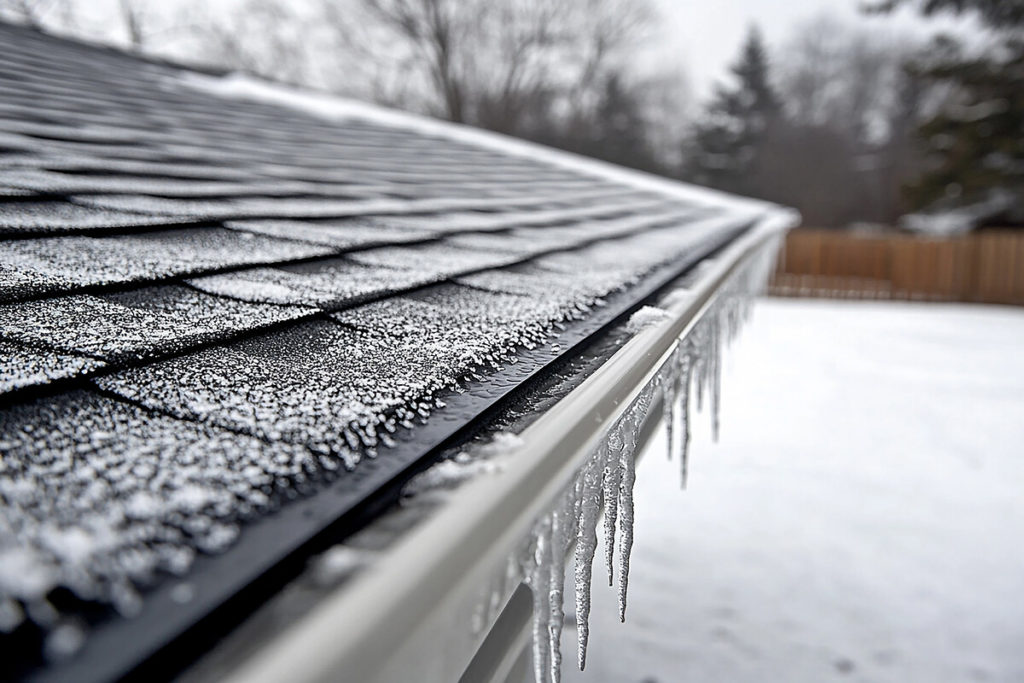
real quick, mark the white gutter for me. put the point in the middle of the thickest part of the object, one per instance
(409, 616)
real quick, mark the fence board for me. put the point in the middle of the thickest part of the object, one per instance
(985, 267)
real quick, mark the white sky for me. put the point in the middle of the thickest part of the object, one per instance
(705, 35)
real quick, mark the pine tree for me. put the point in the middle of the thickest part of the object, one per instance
(725, 148)
(975, 144)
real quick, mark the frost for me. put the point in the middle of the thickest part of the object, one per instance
(11, 615)
(604, 483)
(183, 593)
(31, 267)
(136, 324)
(100, 521)
(22, 366)
(64, 641)
(648, 316)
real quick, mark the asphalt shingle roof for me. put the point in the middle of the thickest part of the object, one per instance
(208, 306)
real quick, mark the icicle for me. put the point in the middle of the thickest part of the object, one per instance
(539, 580)
(685, 372)
(634, 419)
(612, 477)
(563, 527)
(700, 334)
(715, 378)
(669, 386)
(627, 465)
(586, 546)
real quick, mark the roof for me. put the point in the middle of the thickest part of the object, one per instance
(221, 300)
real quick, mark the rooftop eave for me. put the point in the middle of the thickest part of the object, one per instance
(385, 625)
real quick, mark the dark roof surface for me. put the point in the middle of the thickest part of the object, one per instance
(210, 306)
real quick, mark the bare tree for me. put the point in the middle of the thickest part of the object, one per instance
(35, 13)
(136, 24)
(261, 37)
(501, 63)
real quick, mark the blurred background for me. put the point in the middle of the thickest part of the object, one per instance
(880, 120)
(861, 518)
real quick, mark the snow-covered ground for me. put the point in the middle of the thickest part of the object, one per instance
(861, 518)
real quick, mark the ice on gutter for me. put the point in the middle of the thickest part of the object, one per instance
(340, 109)
(454, 573)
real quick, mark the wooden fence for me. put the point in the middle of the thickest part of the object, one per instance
(983, 267)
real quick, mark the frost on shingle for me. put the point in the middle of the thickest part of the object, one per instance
(32, 267)
(526, 241)
(302, 385)
(342, 388)
(100, 496)
(15, 192)
(66, 183)
(51, 216)
(580, 289)
(130, 326)
(81, 163)
(357, 205)
(330, 283)
(612, 204)
(76, 133)
(23, 366)
(632, 256)
(341, 234)
(439, 259)
(255, 207)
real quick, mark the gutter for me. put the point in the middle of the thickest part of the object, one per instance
(410, 616)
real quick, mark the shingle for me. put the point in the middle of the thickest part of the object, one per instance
(328, 284)
(154, 166)
(133, 325)
(340, 234)
(312, 208)
(17, 217)
(582, 287)
(64, 183)
(33, 267)
(15, 192)
(119, 493)
(437, 260)
(635, 254)
(22, 366)
(340, 389)
(73, 133)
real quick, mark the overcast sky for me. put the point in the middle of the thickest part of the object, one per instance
(698, 38)
(706, 34)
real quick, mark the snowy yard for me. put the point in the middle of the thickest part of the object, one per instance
(861, 518)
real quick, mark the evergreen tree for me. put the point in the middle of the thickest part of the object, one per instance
(975, 144)
(726, 146)
(620, 129)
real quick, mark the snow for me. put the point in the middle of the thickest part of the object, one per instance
(647, 316)
(860, 518)
(959, 220)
